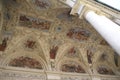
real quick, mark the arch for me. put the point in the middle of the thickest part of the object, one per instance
(28, 43)
(62, 50)
(69, 50)
(68, 65)
(104, 69)
(72, 52)
(25, 62)
(25, 56)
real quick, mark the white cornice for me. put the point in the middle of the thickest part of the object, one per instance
(99, 8)
(103, 9)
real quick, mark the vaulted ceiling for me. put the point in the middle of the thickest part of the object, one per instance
(44, 30)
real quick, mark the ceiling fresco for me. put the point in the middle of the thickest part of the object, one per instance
(105, 70)
(72, 67)
(78, 34)
(42, 4)
(72, 52)
(3, 45)
(55, 36)
(34, 23)
(25, 62)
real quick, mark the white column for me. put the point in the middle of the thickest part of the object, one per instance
(70, 3)
(106, 28)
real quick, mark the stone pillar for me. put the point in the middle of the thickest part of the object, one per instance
(106, 28)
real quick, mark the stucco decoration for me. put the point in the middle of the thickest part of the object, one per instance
(19, 75)
(6, 18)
(34, 23)
(11, 3)
(9, 13)
(55, 41)
(79, 34)
(102, 69)
(72, 66)
(64, 14)
(116, 58)
(25, 62)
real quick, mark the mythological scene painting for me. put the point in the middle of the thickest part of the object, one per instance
(105, 70)
(25, 62)
(76, 68)
(79, 34)
(34, 23)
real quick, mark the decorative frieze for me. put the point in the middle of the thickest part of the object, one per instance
(24, 76)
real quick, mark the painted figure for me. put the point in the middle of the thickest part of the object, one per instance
(53, 52)
(72, 53)
(3, 45)
(30, 44)
(89, 56)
